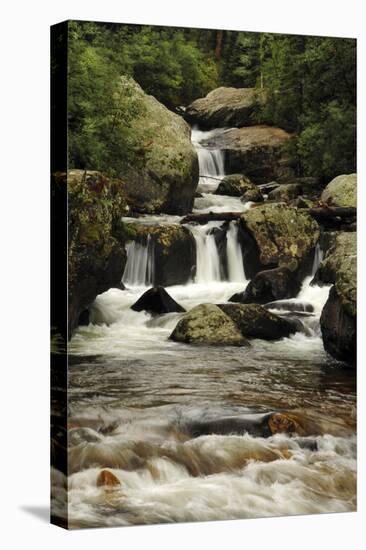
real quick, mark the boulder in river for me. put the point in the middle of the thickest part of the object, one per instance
(339, 316)
(254, 321)
(172, 249)
(224, 107)
(96, 253)
(234, 185)
(207, 324)
(341, 191)
(268, 286)
(157, 301)
(276, 235)
(107, 479)
(256, 151)
(167, 177)
(285, 192)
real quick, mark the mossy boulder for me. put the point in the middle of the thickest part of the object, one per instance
(207, 324)
(173, 251)
(341, 191)
(257, 151)
(96, 253)
(254, 321)
(339, 316)
(285, 192)
(225, 107)
(276, 235)
(166, 178)
(234, 185)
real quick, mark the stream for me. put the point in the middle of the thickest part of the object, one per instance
(135, 397)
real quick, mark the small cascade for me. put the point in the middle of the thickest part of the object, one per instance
(139, 270)
(210, 161)
(234, 255)
(318, 258)
(207, 255)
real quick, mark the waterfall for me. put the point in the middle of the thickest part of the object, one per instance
(318, 257)
(139, 270)
(207, 255)
(234, 255)
(210, 161)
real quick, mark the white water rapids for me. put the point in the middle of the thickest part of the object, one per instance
(133, 392)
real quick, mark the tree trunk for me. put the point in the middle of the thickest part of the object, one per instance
(218, 48)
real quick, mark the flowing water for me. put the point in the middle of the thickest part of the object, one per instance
(137, 402)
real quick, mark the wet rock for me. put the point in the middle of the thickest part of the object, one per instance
(157, 301)
(167, 177)
(276, 235)
(256, 151)
(341, 191)
(234, 185)
(268, 286)
(221, 246)
(339, 316)
(285, 192)
(96, 253)
(252, 195)
(172, 248)
(254, 321)
(224, 107)
(107, 479)
(207, 324)
(84, 318)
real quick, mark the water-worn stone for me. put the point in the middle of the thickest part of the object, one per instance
(254, 321)
(285, 192)
(339, 316)
(167, 177)
(275, 235)
(224, 107)
(207, 324)
(173, 251)
(256, 151)
(341, 191)
(157, 301)
(234, 185)
(107, 479)
(270, 285)
(96, 254)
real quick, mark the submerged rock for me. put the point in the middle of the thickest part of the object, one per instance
(167, 177)
(276, 235)
(96, 253)
(224, 107)
(254, 321)
(268, 286)
(339, 316)
(208, 324)
(256, 151)
(341, 191)
(157, 301)
(172, 249)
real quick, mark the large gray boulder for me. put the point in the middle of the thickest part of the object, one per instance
(207, 324)
(167, 177)
(224, 107)
(341, 191)
(339, 316)
(254, 321)
(257, 151)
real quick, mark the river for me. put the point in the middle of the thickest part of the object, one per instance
(135, 397)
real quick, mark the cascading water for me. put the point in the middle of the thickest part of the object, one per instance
(207, 255)
(318, 258)
(234, 255)
(139, 270)
(210, 161)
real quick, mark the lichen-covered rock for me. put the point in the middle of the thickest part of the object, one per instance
(173, 251)
(341, 191)
(254, 321)
(234, 185)
(96, 253)
(268, 286)
(257, 151)
(157, 302)
(275, 235)
(207, 324)
(339, 316)
(252, 195)
(167, 178)
(285, 192)
(225, 107)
